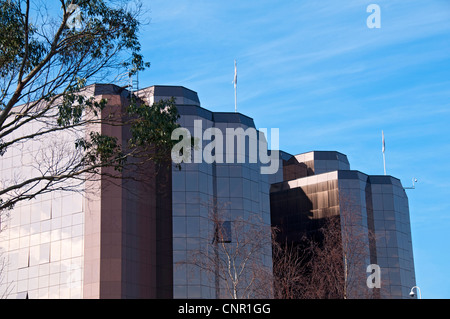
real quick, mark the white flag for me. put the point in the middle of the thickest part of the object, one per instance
(384, 145)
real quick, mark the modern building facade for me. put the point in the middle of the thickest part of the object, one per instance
(102, 239)
(236, 190)
(136, 239)
(373, 210)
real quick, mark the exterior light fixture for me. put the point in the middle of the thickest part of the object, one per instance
(412, 294)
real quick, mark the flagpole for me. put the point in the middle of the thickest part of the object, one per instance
(235, 99)
(383, 149)
(235, 87)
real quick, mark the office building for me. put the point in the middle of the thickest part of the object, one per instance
(136, 239)
(372, 209)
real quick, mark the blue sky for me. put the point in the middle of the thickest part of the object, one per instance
(315, 70)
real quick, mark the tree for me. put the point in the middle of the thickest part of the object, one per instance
(329, 262)
(336, 269)
(236, 257)
(288, 262)
(48, 58)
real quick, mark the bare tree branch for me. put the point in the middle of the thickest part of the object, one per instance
(45, 70)
(234, 259)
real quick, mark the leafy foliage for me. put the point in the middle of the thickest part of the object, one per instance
(47, 63)
(14, 45)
